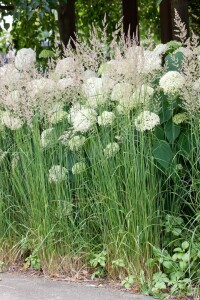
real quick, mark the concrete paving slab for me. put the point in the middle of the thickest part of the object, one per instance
(21, 287)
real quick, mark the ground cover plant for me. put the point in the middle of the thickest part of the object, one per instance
(99, 161)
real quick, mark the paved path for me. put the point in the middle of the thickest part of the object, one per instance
(20, 287)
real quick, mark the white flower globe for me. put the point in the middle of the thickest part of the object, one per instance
(25, 59)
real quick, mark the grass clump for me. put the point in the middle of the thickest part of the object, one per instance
(99, 161)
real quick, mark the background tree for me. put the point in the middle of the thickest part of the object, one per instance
(36, 21)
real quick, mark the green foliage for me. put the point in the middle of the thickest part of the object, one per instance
(33, 261)
(174, 63)
(98, 261)
(128, 281)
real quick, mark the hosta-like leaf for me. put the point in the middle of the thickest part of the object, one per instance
(162, 153)
(172, 131)
(174, 61)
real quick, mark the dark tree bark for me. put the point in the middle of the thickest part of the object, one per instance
(165, 21)
(130, 21)
(167, 14)
(66, 21)
(7, 7)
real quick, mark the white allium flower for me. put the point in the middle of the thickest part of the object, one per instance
(78, 168)
(108, 85)
(160, 49)
(9, 74)
(89, 74)
(10, 121)
(123, 109)
(196, 85)
(186, 51)
(146, 120)
(122, 93)
(76, 142)
(13, 98)
(142, 95)
(58, 174)
(41, 86)
(46, 137)
(107, 69)
(82, 119)
(111, 150)
(65, 83)
(57, 106)
(25, 59)
(106, 118)
(179, 118)
(65, 137)
(65, 66)
(133, 52)
(58, 116)
(172, 82)
(149, 62)
(93, 90)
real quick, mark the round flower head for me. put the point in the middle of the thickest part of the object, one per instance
(186, 51)
(78, 168)
(38, 87)
(9, 75)
(93, 90)
(146, 121)
(111, 150)
(106, 118)
(65, 83)
(25, 59)
(10, 121)
(65, 66)
(179, 118)
(82, 119)
(149, 62)
(65, 137)
(13, 98)
(76, 142)
(161, 49)
(89, 74)
(196, 85)
(123, 109)
(58, 174)
(172, 82)
(58, 116)
(122, 93)
(46, 137)
(142, 95)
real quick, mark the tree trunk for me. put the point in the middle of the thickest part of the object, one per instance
(66, 21)
(167, 13)
(165, 21)
(130, 21)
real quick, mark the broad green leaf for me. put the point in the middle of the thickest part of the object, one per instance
(174, 61)
(185, 144)
(182, 265)
(162, 153)
(167, 264)
(159, 132)
(172, 131)
(46, 53)
(185, 245)
(166, 111)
